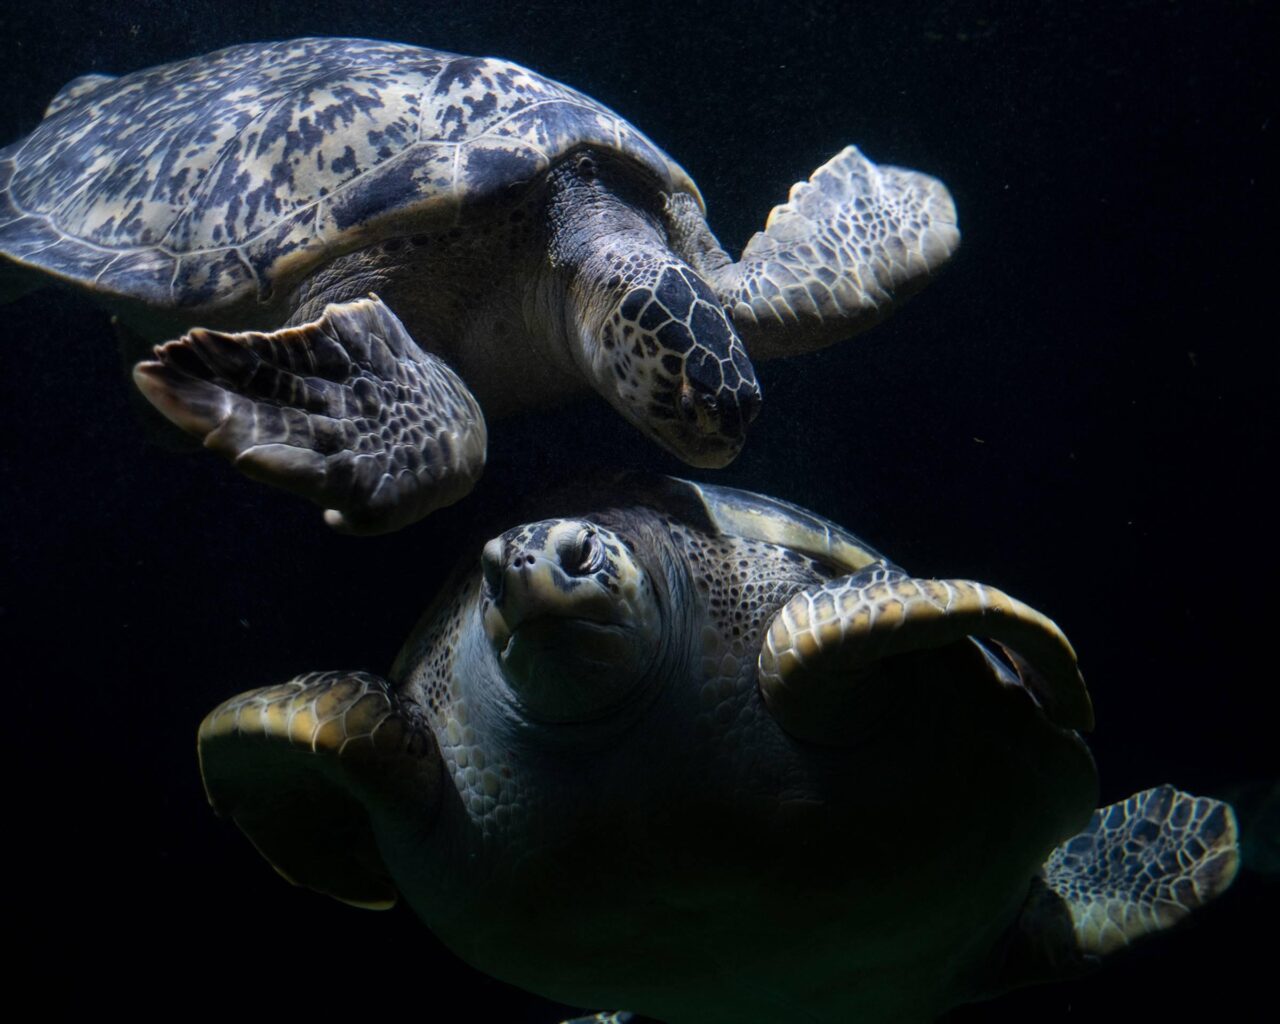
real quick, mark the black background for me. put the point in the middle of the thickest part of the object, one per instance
(1079, 411)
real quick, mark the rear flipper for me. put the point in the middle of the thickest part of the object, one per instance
(346, 411)
(1140, 867)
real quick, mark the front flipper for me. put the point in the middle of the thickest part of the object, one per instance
(819, 641)
(296, 766)
(346, 411)
(849, 243)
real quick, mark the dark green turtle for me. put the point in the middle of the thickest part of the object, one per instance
(704, 755)
(517, 234)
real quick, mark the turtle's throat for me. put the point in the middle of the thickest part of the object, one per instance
(596, 224)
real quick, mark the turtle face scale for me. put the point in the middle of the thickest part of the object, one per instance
(572, 617)
(679, 362)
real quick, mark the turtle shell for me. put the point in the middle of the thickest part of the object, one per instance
(735, 513)
(203, 182)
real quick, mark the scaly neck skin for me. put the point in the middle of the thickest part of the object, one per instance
(590, 226)
(635, 319)
(346, 278)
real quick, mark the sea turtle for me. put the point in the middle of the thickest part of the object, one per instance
(278, 201)
(704, 755)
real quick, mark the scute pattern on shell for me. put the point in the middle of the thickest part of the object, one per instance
(196, 183)
(755, 517)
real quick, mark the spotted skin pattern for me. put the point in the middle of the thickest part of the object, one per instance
(741, 582)
(430, 672)
(75, 90)
(199, 182)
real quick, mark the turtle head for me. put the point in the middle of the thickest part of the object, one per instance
(573, 617)
(673, 363)
(642, 325)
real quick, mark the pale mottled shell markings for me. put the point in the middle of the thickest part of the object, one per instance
(200, 182)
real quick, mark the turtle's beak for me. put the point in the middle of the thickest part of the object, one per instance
(570, 616)
(710, 425)
(525, 579)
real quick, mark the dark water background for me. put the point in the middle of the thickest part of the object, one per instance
(1081, 411)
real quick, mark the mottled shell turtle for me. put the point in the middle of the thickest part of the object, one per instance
(701, 754)
(347, 230)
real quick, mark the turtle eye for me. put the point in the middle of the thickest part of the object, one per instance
(585, 556)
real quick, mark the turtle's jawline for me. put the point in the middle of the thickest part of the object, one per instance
(704, 453)
(537, 622)
(714, 459)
